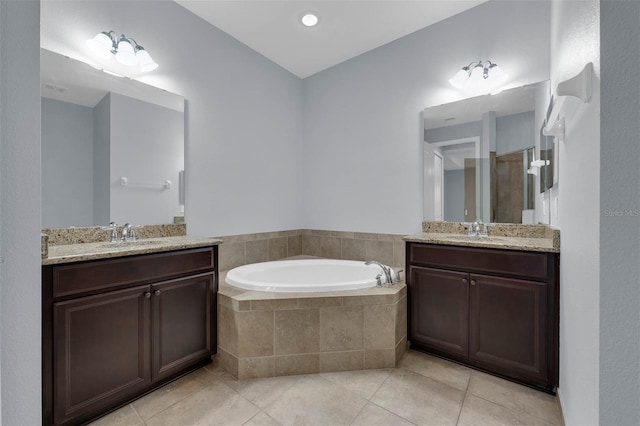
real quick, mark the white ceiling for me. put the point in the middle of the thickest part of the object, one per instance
(347, 28)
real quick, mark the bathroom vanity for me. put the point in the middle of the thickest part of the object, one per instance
(121, 321)
(491, 303)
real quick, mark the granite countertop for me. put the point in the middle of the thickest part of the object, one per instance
(540, 238)
(499, 242)
(69, 253)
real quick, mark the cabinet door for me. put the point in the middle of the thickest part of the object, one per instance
(101, 351)
(508, 326)
(181, 323)
(439, 310)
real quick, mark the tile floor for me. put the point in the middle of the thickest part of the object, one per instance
(422, 390)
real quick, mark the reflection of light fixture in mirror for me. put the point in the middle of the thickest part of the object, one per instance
(126, 50)
(477, 74)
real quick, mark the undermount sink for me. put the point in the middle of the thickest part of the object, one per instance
(123, 244)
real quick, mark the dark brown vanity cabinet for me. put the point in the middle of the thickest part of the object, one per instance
(493, 309)
(114, 329)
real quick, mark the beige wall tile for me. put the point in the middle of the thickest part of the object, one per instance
(297, 331)
(290, 233)
(311, 245)
(399, 259)
(288, 365)
(401, 319)
(382, 251)
(273, 304)
(319, 302)
(267, 235)
(227, 330)
(253, 368)
(386, 237)
(227, 361)
(341, 328)
(380, 358)
(231, 255)
(256, 251)
(277, 248)
(341, 361)
(320, 232)
(341, 234)
(255, 333)
(353, 249)
(294, 245)
(383, 299)
(240, 238)
(330, 247)
(401, 349)
(365, 236)
(379, 326)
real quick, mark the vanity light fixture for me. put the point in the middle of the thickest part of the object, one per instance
(125, 49)
(309, 19)
(477, 74)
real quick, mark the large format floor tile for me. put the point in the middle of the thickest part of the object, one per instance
(422, 390)
(316, 401)
(419, 399)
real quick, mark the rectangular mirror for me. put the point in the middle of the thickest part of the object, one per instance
(112, 147)
(478, 156)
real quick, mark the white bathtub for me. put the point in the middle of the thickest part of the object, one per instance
(304, 275)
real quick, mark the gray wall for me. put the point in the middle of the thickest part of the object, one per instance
(620, 230)
(363, 131)
(454, 195)
(515, 132)
(147, 146)
(101, 160)
(67, 164)
(244, 148)
(575, 41)
(20, 280)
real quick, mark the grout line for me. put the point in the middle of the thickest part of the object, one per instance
(389, 411)
(137, 414)
(464, 400)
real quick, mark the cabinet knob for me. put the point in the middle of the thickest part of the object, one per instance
(464, 281)
(147, 294)
(157, 292)
(473, 282)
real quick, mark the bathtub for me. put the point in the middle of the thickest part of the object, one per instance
(308, 275)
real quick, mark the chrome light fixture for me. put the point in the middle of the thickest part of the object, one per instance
(478, 74)
(125, 50)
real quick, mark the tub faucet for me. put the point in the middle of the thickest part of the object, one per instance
(385, 269)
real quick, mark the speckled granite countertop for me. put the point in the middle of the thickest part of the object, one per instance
(538, 238)
(70, 253)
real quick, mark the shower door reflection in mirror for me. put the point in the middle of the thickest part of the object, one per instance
(486, 144)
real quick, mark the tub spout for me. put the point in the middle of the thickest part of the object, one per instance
(385, 269)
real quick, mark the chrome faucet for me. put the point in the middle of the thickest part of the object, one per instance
(128, 232)
(478, 229)
(113, 227)
(385, 269)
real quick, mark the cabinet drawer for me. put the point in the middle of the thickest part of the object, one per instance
(524, 264)
(104, 274)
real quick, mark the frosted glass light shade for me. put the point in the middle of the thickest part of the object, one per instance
(477, 76)
(496, 74)
(145, 61)
(125, 54)
(460, 78)
(101, 45)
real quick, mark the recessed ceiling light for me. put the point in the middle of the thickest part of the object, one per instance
(309, 19)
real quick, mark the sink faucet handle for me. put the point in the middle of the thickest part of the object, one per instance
(113, 228)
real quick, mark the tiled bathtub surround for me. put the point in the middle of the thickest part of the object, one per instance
(265, 334)
(239, 250)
